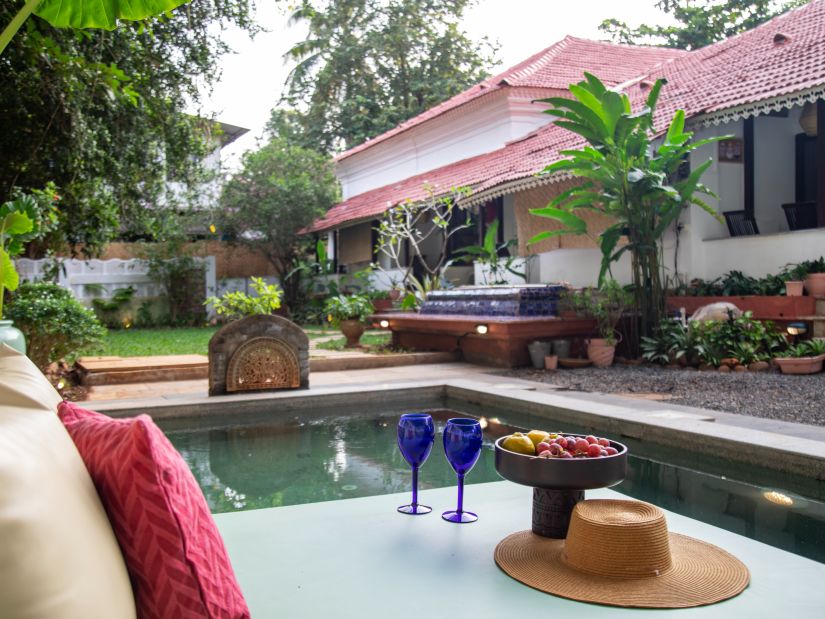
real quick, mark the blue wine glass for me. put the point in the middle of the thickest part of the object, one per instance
(462, 446)
(416, 434)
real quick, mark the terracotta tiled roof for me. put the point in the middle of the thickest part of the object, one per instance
(783, 56)
(552, 68)
(745, 69)
(749, 68)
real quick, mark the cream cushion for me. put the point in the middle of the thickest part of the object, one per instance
(58, 556)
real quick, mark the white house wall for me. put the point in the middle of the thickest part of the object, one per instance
(478, 127)
(760, 255)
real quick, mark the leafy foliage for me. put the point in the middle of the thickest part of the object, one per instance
(605, 304)
(181, 277)
(107, 310)
(627, 178)
(25, 218)
(495, 256)
(71, 99)
(281, 189)
(352, 307)
(368, 65)
(736, 283)
(698, 22)
(742, 338)
(55, 324)
(235, 305)
(418, 234)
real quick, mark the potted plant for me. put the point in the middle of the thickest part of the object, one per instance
(794, 288)
(815, 278)
(381, 300)
(551, 362)
(349, 313)
(605, 305)
(804, 358)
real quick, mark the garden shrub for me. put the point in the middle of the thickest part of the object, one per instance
(708, 342)
(736, 283)
(181, 279)
(234, 305)
(108, 311)
(354, 307)
(55, 324)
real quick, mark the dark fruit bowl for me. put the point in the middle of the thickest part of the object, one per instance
(562, 474)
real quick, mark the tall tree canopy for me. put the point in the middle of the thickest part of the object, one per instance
(102, 114)
(367, 65)
(281, 189)
(699, 22)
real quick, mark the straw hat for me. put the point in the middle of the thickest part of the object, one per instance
(620, 553)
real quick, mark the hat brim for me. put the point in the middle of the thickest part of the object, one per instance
(701, 574)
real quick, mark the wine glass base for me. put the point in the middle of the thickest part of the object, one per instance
(459, 517)
(415, 510)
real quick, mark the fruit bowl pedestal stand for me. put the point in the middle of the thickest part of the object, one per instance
(559, 483)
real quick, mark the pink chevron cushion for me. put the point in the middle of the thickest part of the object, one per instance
(176, 558)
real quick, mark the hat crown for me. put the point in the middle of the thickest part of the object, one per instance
(618, 539)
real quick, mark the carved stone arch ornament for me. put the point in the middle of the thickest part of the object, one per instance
(258, 353)
(263, 363)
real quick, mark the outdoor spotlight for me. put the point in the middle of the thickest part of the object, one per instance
(778, 498)
(482, 329)
(384, 324)
(797, 328)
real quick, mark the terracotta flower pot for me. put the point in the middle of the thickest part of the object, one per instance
(382, 305)
(815, 284)
(551, 362)
(352, 330)
(794, 289)
(600, 352)
(800, 365)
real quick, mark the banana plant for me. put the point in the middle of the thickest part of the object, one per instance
(626, 176)
(86, 13)
(13, 225)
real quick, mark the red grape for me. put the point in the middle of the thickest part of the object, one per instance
(611, 451)
(590, 439)
(604, 442)
(541, 447)
(582, 445)
(594, 451)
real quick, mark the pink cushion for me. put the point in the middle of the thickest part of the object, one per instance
(175, 556)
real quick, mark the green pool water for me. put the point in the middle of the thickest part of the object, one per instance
(339, 456)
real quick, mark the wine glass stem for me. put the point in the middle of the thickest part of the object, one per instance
(415, 486)
(460, 494)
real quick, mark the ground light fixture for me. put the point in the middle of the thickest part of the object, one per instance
(482, 329)
(384, 324)
(797, 328)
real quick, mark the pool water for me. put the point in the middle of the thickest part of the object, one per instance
(326, 458)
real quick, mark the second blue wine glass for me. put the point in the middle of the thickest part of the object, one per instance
(416, 433)
(462, 446)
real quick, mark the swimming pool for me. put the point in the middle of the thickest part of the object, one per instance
(334, 455)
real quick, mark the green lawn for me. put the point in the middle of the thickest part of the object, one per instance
(167, 341)
(370, 338)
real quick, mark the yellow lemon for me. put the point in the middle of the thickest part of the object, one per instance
(538, 436)
(519, 443)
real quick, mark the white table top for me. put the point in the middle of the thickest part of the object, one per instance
(360, 558)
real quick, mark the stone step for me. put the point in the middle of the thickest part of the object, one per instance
(98, 371)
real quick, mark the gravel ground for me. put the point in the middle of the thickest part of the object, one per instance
(771, 395)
